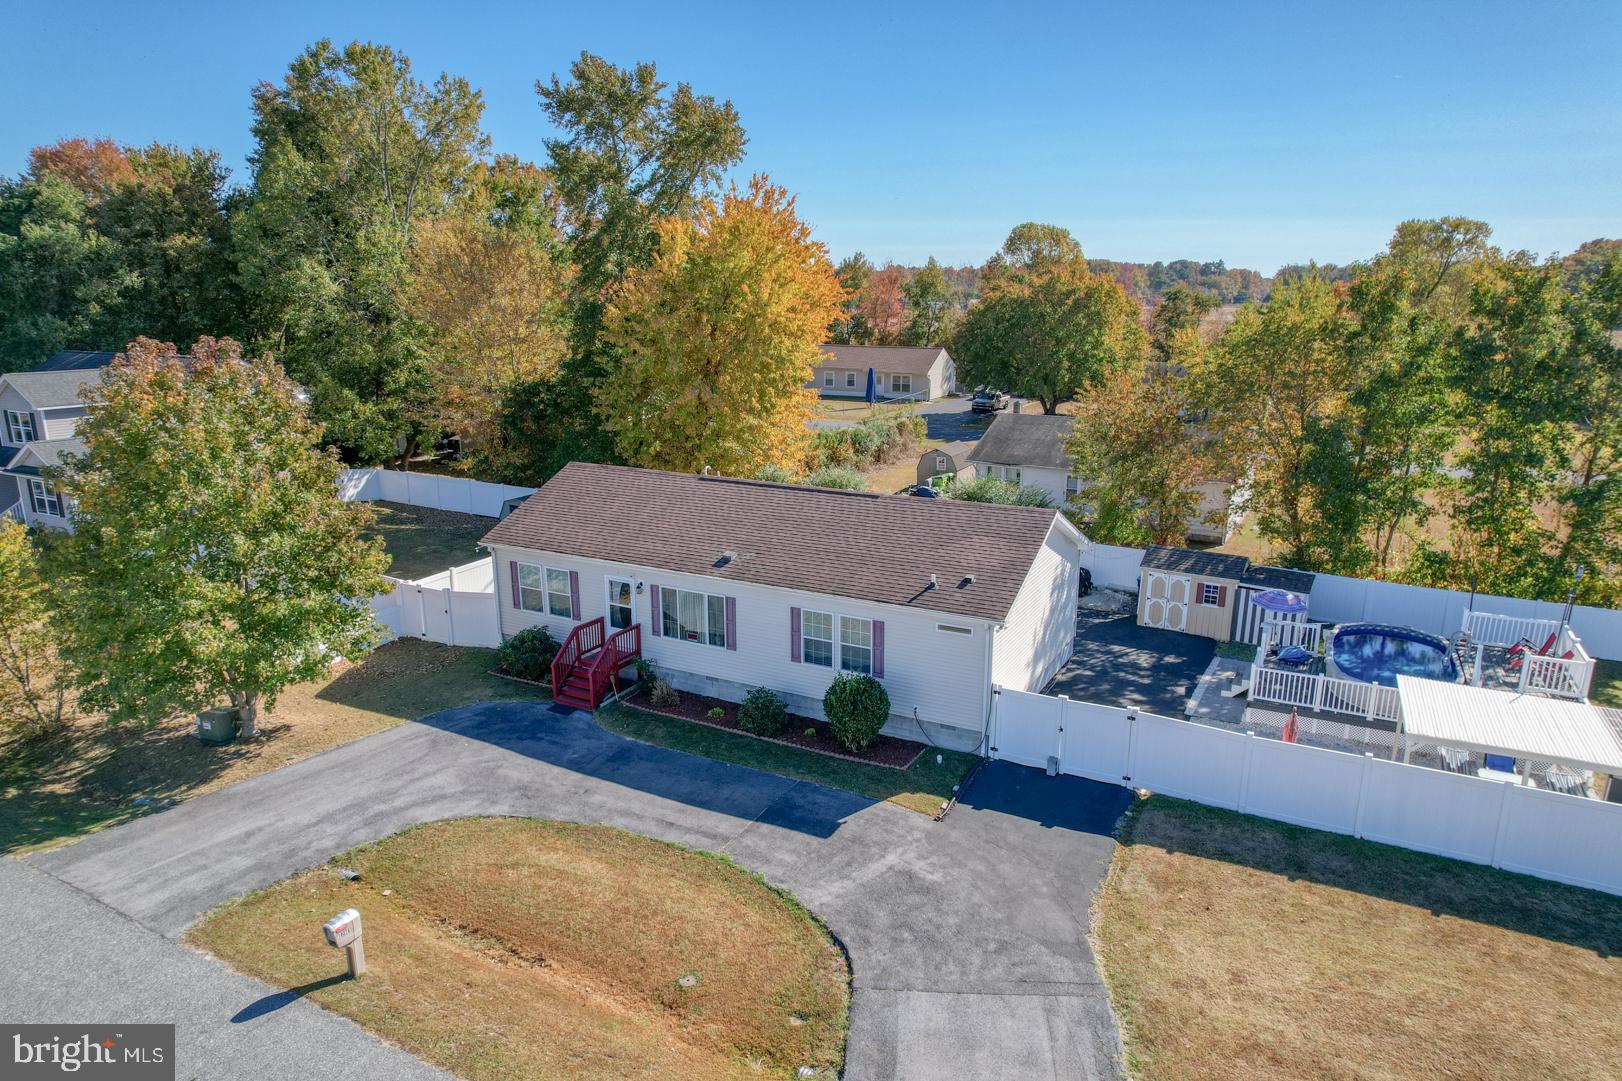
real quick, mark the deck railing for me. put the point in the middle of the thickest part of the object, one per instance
(1557, 674)
(14, 512)
(582, 640)
(1328, 694)
(1495, 630)
(622, 647)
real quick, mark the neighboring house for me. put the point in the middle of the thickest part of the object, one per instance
(1209, 593)
(737, 584)
(935, 463)
(1029, 448)
(921, 374)
(42, 408)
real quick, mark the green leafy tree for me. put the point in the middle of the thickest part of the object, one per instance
(631, 153)
(1265, 388)
(352, 153)
(1175, 323)
(852, 327)
(1589, 491)
(931, 306)
(1046, 327)
(212, 556)
(33, 686)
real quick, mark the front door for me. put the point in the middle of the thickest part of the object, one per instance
(620, 612)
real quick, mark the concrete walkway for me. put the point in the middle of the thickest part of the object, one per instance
(967, 937)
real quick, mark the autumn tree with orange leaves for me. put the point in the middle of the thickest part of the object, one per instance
(719, 338)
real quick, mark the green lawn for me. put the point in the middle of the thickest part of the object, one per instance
(1607, 688)
(89, 777)
(922, 787)
(422, 541)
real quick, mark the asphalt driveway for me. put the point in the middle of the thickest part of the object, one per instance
(1119, 663)
(967, 937)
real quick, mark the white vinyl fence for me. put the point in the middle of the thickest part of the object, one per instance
(429, 490)
(455, 606)
(1335, 599)
(1564, 838)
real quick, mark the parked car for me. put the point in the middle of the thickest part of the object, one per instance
(988, 401)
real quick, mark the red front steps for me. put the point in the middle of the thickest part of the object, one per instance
(587, 667)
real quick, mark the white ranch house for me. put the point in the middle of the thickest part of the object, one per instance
(1029, 448)
(899, 372)
(725, 585)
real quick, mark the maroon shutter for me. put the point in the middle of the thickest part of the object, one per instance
(1222, 596)
(574, 595)
(732, 623)
(512, 567)
(794, 634)
(878, 649)
(658, 619)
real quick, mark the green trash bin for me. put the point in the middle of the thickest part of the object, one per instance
(217, 725)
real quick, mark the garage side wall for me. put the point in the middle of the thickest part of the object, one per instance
(1040, 633)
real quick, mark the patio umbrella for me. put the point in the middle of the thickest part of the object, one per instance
(1292, 728)
(1280, 600)
(872, 388)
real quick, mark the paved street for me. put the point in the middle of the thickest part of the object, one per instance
(967, 937)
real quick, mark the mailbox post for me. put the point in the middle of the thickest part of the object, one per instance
(344, 930)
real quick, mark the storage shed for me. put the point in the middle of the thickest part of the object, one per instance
(1247, 617)
(935, 463)
(1180, 589)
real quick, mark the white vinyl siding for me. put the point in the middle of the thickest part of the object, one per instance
(62, 423)
(1039, 636)
(943, 676)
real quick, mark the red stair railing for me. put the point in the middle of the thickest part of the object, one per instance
(582, 640)
(622, 647)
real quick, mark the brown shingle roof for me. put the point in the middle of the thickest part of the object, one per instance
(820, 540)
(916, 360)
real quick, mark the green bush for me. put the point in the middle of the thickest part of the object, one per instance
(528, 654)
(857, 707)
(776, 474)
(992, 490)
(865, 440)
(762, 713)
(834, 477)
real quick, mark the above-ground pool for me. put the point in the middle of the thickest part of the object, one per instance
(1379, 653)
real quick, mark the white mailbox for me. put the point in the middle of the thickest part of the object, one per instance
(343, 929)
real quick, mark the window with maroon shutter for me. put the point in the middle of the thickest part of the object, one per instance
(794, 635)
(574, 594)
(654, 619)
(732, 623)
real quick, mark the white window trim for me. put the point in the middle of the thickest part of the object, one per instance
(1215, 594)
(839, 645)
(1009, 473)
(704, 638)
(827, 379)
(15, 419)
(41, 499)
(608, 600)
(545, 590)
(850, 380)
(832, 640)
(897, 380)
(1072, 484)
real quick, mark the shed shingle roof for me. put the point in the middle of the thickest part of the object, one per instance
(1190, 561)
(818, 540)
(1280, 578)
(884, 358)
(1028, 439)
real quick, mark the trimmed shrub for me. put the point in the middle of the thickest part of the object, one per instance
(992, 490)
(716, 713)
(776, 474)
(848, 479)
(762, 713)
(857, 707)
(662, 694)
(529, 653)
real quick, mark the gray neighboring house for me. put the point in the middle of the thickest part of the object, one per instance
(899, 371)
(42, 408)
(1029, 448)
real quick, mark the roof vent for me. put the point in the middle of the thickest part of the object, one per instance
(934, 583)
(726, 557)
(968, 580)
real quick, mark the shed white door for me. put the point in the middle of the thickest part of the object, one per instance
(1166, 603)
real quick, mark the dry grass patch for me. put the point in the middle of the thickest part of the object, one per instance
(1238, 947)
(90, 776)
(520, 948)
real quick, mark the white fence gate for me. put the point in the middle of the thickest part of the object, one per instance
(456, 607)
(1564, 838)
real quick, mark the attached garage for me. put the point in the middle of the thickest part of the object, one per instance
(1180, 589)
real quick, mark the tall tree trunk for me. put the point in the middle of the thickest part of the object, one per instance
(246, 704)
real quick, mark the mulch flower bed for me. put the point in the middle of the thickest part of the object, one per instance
(886, 750)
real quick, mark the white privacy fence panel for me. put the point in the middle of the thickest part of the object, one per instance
(1560, 837)
(457, 607)
(429, 490)
(1112, 567)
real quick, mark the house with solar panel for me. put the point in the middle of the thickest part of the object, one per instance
(725, 585)
(40, 410)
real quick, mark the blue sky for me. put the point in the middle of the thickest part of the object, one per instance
(1255, 133)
